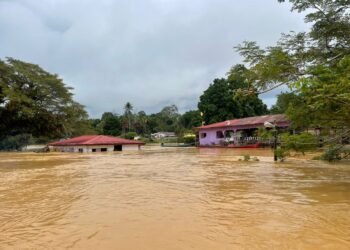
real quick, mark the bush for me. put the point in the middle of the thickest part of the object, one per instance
(334, 153)
(246, 157)
(299, 143)
(17, 142)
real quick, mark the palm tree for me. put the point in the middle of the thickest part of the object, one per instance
(128, 113)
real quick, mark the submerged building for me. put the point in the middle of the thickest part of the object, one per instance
(95, 143)
(238, 131)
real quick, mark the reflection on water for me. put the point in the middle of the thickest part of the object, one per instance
(172, 199)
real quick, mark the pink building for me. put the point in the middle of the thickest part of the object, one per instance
(238, 131)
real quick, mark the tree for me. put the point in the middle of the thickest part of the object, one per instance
(284, 101)
(141, 124)
(110, 124)
(221, 101)
(313, 64)
(167, 119)
(128, 114)
(191, 119)
(33, 101)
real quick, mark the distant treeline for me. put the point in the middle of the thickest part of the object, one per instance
(216, 104)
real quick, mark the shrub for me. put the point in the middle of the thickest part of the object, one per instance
(333, 153)
(246, 157)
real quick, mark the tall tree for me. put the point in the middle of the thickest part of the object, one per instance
(284, 101)
(141, 123)
(36, 102)
(314, 64)
(191, 119)
(110, 124)
(221, 102)
(168, 118)
(128, 108)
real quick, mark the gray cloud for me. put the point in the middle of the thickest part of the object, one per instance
(149, 52)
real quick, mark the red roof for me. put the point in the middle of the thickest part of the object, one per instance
(95, 140)
(281, 121)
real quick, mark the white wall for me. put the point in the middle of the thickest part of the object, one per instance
(131, 147)
(88, 149)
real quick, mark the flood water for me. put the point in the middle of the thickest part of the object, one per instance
(172, 199)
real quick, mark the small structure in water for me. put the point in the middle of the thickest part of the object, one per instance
(238, 132)
(95, 143)
(163, 135)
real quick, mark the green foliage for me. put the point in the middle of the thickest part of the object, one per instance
(299, 143)
(130, 135)
(335, 153)
(332, 153)
(327, 94)
(141, 123)
(110, 124)
(265, 134)
(284, 101)
(246, 157)
(191, 119)
(16, 142)
(313, 64)
(128, 116)
(168, 119)
(281, 153)
(33, 101)
(221, 100)
(189, 139)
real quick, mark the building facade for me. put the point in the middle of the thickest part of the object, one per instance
(239, 131)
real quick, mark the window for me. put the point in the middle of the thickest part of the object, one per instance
(203, 135)
(94, 150)
(103, 149)
(80, 150)
(219, 134)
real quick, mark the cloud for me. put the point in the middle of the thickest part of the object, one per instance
(149, 52)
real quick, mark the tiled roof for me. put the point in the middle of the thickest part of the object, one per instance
(281, 121)
(95, 140)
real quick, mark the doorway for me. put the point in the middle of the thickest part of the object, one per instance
(118, 147)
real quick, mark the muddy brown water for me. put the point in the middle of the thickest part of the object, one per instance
(168, 198)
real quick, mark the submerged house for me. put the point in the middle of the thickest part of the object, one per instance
(238, 131)
(95, 143)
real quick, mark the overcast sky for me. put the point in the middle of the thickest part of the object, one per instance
(149, 52)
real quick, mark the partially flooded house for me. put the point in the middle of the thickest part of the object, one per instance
(238, 132)
(95, 143)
